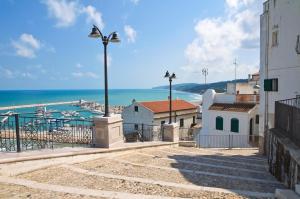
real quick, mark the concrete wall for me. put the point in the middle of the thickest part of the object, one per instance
(280, 61)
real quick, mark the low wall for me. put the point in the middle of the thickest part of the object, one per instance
(283, 158)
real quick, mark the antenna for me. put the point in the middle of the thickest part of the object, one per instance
(235, 66)
(205, 73)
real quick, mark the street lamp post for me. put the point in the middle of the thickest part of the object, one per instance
(171, 77)
(112, 37)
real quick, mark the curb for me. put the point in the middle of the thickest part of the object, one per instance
(77, 153)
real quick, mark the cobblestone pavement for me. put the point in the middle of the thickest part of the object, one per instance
(161, 172)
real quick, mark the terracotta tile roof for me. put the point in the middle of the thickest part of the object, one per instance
(163, 106)
(236, 107)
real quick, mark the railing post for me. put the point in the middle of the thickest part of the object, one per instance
(142, 132)
(17, 132)
(229, 143)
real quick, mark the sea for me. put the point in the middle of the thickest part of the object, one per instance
(122, 97)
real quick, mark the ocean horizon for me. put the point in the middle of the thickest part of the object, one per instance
(116, 96)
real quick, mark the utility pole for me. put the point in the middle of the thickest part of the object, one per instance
(235, 66)
(205, 73)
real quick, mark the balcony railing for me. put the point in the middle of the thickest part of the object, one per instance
(247, 98)
(287, 118)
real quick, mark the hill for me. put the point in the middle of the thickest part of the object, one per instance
(200, 88)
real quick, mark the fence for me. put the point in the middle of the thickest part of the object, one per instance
(287, 118)
(19, 133)
(142, 132)
(227, 141)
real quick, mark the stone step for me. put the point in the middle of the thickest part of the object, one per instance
(286, 194)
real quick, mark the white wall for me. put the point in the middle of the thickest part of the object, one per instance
(280, 61)
(243, 88)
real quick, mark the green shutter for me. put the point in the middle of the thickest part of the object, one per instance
(268, 85)
(234, 125)
(219, 123)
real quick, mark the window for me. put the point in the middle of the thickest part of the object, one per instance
(271, 84)
(194, 120)
(136, 127)
(162, 122)
(219, 123)
(136, 108)
(257, 119)
(275, 38)
(181, 122)
(234, 125)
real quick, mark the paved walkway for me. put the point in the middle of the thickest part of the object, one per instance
(157, 172)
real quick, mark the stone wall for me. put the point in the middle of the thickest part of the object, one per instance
(283, 158)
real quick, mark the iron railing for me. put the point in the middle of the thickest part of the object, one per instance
(287, 118)
(227, 141)
(142, 132)
(19, 133)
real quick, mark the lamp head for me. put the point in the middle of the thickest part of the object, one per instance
(115, 38)
(173, 76)
(167, 74)
(256, 86)
(95, 33)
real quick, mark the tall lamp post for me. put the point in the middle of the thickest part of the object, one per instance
(112, 37)
(170, 77)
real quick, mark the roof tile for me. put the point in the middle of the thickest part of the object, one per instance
(163, 106)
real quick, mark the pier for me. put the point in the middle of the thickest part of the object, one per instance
(37, 105)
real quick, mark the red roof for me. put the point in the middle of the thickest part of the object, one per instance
(163, 106)
(236, 107)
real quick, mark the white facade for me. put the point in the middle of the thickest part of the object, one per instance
(138, 114)
(209, 116)
(211, 137)
(280, 26)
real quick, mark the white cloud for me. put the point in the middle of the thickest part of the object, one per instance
(11, 73)
(93, 16)
(135, 2)
(79, 65)
(85, 75)
(238, 3)
(130, 33)
(26, 46)
(219, 41)
(65, 12)
(29, 39)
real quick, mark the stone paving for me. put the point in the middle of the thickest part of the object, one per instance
(161, 172)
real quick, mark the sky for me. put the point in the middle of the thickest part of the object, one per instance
(44, 44)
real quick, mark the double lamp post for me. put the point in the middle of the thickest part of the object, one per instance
(170, 77)
(112, 37)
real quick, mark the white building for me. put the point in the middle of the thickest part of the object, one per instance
(156, 113)
(229, 118)
(279, 57)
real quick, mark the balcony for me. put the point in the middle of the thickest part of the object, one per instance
(247, 98)
(287, 118)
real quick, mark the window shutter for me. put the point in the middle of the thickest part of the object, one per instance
(267, 85)
(219, 123)
(234, 125)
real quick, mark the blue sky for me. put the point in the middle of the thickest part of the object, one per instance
(44, 44)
